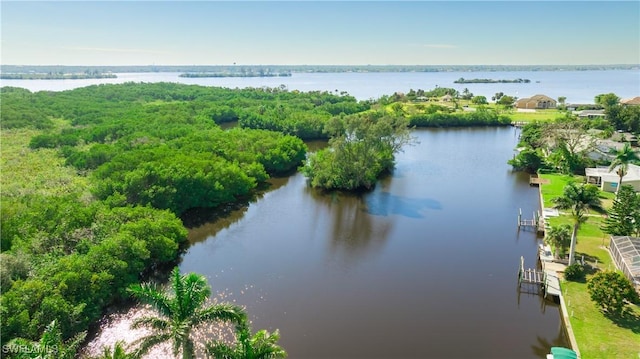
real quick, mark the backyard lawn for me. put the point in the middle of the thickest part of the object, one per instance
(598, 336)
(413, 108)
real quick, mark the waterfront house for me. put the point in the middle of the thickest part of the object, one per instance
(591, 114)
(536, 102)
(608, 180)
(583, 106)
(633, 101)
(447, 98)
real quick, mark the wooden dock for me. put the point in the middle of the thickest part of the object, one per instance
(534, 180)
(536, 223)
(538, 281)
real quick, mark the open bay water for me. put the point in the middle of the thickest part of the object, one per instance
(577, 86)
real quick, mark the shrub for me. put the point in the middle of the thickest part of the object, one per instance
(574, 272)
(610, 290)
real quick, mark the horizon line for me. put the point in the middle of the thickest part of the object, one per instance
(352, 65)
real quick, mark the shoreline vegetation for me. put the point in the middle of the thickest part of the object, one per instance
(56, 76)
(462, 80)
(233, 68)
(97, 178)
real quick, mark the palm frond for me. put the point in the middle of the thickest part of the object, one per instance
(70, 347)
(197, 291)
(145, 344)
(177, 286)
(118, 352)
(151, 322)
(220, 350)
(154, 296)
(52, 335)
(579, 199)
(225, 312)
(180, 332)
(265, 345)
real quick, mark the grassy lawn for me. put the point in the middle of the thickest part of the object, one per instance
(413, 108)
(555, 187)
(539, 115)
(598, 336)
(42, 171)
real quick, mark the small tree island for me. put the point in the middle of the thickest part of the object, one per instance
(361, 149)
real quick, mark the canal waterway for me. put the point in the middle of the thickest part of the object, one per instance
(424, 266)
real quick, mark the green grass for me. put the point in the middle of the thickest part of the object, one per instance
(598, 336)
(555, 187)
(25, 171)
(539, 115)
(413, 108)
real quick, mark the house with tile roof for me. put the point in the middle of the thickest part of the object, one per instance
(536, 102)
(634, 101)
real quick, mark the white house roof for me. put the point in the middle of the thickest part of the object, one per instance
(587, 113)
(633, 174)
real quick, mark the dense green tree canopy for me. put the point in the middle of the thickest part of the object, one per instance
(149, 152)
(360, 150)
(607, 100)
(50, 346)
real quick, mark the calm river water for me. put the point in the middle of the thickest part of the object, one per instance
(424, 266)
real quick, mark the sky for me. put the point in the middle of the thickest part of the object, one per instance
(319, 33)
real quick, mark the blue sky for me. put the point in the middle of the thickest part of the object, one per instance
(319, 33)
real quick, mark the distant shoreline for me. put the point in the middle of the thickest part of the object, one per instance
(219, 74)
(54, 76)
(268, 69)
(490, 81)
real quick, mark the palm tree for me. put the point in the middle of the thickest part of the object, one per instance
(622, 159)
(179, 312)
(118, 352)
(262, 345)
(579, 199)
(559, 237)
(50, 345)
